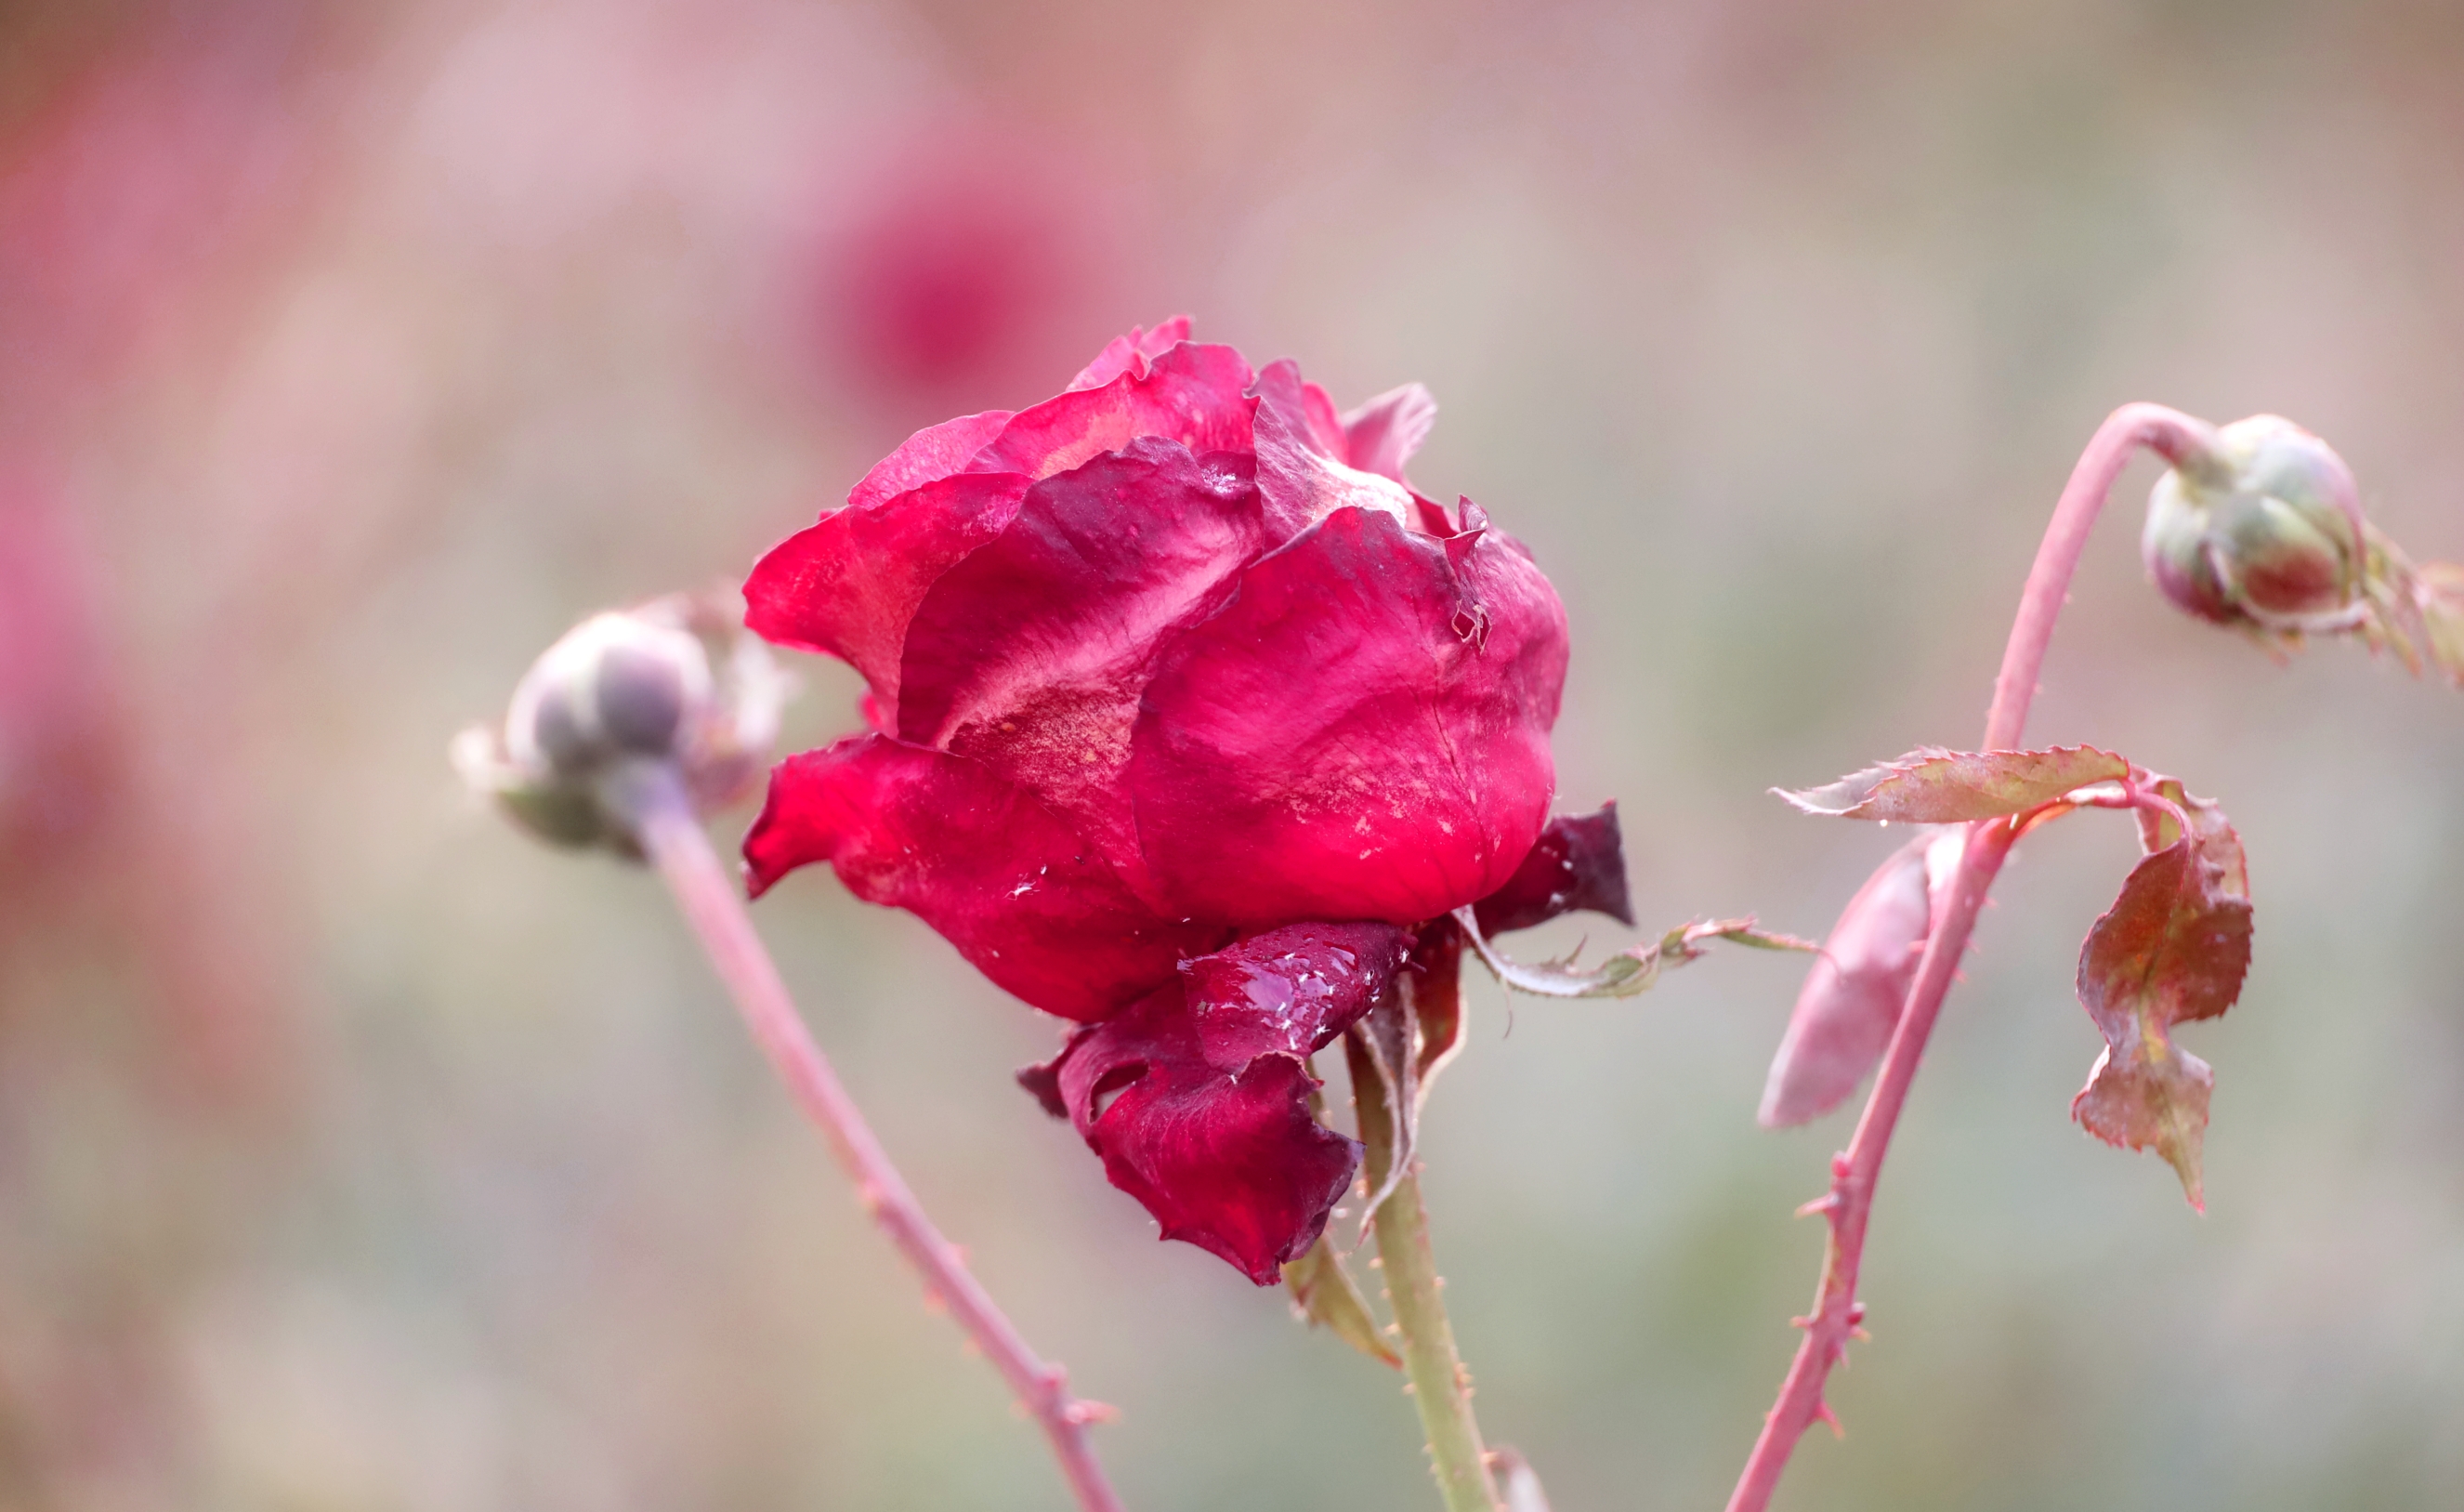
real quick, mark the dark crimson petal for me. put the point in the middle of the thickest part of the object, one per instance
(1234, 1164)
(1131, 353)
(849, 586)
(1361, 733)
(1381, 435)
(1029, 656)
(1579, 863)
(1299, 474)
(1288, 990)
(1193, 394)
(994, 871)
(928, 456)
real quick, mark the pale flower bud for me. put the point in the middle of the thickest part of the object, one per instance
(675, 682)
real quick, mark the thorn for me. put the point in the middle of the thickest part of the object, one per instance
(1828, 1202)
(1800, 1323)
(869, 1196)
(1084, 1414)
(956, 1254)
(1839, 1166)
(935, 1303)
(1856, 1314)
(1823, 1414)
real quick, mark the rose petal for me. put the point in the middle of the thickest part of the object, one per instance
(1029, 656)
(1311, 414)
(849, 586)
(1362, 732)
(1131, 353)
(1300, 473)
(1288, 990)
(1579, 863)
(1020, 895)
(1851, 998)
(1381, 435)
(1234, 1164)
(1194, 394)
(929, 456)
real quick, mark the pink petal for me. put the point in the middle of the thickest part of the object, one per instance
(849, 586)
(1021, 896)
(1029, 656)
(1305, 405)
(1361, 733)
(1288, 990)
(928, 456)
(1300, 470)
(1131, 353)
(1381, 435)
(1193, 394)
(1577, 863)
(1233, 1163)
(1853, 997)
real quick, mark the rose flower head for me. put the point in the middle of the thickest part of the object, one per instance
(1187, 715)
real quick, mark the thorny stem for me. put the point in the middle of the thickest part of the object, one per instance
(674, 842)
(1440, 1386)
(1836, 1313)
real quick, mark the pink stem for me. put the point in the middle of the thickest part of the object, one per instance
(1836, 1313)
(674, 841)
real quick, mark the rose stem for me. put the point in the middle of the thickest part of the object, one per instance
(1440, 1386)
(673, 837)
(1836, 1313)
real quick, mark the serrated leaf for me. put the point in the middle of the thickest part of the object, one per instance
(1325, 1294)
(1628, 973)
(2173, 949)
(2218, 842)
(1940, 787)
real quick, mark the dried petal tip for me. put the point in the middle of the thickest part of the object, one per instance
(622, 693)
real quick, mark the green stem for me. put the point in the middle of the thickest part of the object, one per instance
(1440, 1386)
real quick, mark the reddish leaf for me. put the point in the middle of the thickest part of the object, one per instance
(1940, 787)
(2173, 949)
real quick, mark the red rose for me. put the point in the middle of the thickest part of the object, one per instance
(1187, 711)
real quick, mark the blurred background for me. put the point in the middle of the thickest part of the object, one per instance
(357, 1154)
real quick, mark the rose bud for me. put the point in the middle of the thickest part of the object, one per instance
(2264, 531)
(1187, 714)
(618, 691)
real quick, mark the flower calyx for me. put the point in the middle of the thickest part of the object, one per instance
(672, 689)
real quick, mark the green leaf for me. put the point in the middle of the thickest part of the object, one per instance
(1629, 973)
(1940, 787)
(1324, 1293)
(2173, 949)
